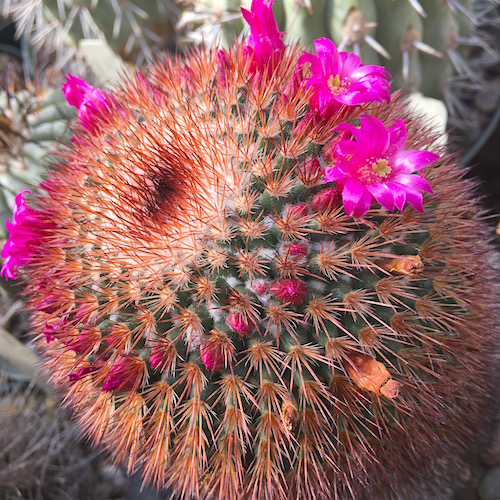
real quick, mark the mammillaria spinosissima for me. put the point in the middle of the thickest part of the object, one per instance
(237, 280)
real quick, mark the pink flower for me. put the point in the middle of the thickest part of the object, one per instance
(375, 164)
(87, 99)
(24, 238)
(264, 45)
(340, 78)
(291, 290)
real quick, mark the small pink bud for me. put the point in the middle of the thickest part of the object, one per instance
(53, 328)
(298, 250)
(326, 198)
(150, 88)
(309, 171)
(329, 152)
(298, 210)
(240, 324)
(88, 310)
(290, 290)
(98, 364)
(187, 78)
(80, 373)
(260, 287)
(211, 356)
(223, 66)
(126, 373)
(163, 355)
(86, 341)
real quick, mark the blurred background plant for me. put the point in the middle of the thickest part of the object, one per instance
(41, 453)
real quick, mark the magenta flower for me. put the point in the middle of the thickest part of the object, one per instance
(375, 164)
(88, 100)
(23, 239)
(340, 78)
(264, 45)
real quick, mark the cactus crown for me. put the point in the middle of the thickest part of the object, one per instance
(220, 316)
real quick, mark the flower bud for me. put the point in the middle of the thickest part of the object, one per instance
(290, 290)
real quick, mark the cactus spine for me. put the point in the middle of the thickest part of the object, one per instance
(132, 29)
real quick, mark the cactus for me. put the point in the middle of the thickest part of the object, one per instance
(34, 121)
(132, 29)
(237, 282)
(440, 48)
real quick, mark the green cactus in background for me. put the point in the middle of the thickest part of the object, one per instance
(440, 48)
(132, 29)
(33, 123)
(237, 281)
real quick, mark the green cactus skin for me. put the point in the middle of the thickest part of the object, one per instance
(216, 318)
(304, 25)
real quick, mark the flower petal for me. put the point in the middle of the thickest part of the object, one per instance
(399, 194)
(412, 160)
(383, 194)
(363, 204)
(413, 181)
(333, 174)
(352, 193)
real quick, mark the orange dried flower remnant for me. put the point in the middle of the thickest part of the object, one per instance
(371, 375)
(408, 265)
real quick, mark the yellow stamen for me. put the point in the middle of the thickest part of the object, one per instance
(334, 82)
(381, 168)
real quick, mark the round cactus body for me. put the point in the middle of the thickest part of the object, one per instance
(237, 282)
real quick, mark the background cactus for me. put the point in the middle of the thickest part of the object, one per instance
(442, 49)
(34, 122)
(132, 29)
(215, 316)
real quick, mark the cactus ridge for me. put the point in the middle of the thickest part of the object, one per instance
(217, 319)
